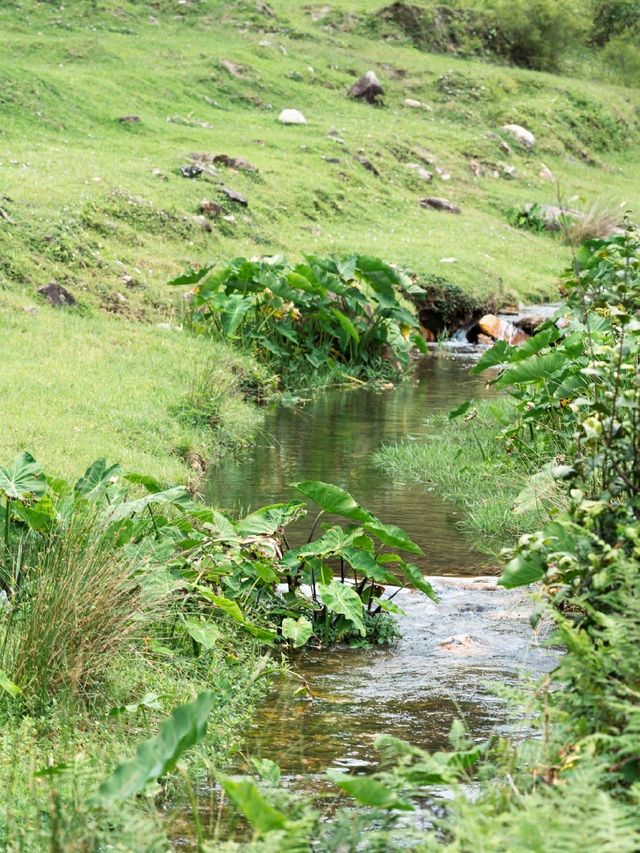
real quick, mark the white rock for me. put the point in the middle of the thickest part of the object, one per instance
(546, 173)
(291, 117)
(520, 134)
(411, 102)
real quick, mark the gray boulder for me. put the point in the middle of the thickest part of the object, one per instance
(435, 203)
(56, 295)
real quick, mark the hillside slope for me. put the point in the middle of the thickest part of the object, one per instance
(100, 204)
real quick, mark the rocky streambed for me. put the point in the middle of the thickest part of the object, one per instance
(449, 653)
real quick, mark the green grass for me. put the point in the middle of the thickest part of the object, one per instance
(467, 463)
(75, 388)
(82, 744)
(86, 208)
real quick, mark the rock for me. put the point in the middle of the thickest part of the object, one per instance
(331, 159)
(158, 173)
(56, 295)
(368, 165)
(427, 334)
(203, 223)
(508, 171)
(131, 282)
(425, 155)
(546, 174)
(235, 196)
(232, 68)
(4, 215)
(130, 119)
(485, 340)
(520, 134)
(30, 309)
(234, 163)
(530, 322)
(411, 102)
(191, 170)
(476, 168)
(367, 88)
(435, 203)
(210, 208)
(443, 173)
(505, 147)
(461, 644)
(291, 117)
(420, 171)
(502, 330)
(551, 215)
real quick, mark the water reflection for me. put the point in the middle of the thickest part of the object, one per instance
(333, 438)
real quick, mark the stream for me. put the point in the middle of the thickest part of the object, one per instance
(449, 652)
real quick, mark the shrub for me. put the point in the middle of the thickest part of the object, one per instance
(326, 312)
(77, 604)
(622, 59)
(536, 33)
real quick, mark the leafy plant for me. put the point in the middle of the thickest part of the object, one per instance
(329, 312)
(186, 726)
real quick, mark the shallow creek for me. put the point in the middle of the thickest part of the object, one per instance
(448, 653)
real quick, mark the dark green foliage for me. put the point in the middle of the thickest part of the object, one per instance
(326, 313)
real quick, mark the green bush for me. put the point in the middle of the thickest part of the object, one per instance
(333, 314)
(621, 56)
(536, 33)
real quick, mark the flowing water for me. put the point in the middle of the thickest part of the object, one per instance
(448, 652)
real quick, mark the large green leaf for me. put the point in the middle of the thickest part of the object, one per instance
(494, 357)
(414, 576)
(333, 499)
(297, 630)
(185, 727)
(368, 791)
(204, 633)
(235, 310)
(96, 478)
(366, 565)
(8, 686)
(23, 479)
(345, 324)
(176, 496)
(266, 520)
(393, 536)
(380, 277)
(244, 794)
(343, 599)
(536, 368)
(190, 277)
(231, 609)
(522, 570)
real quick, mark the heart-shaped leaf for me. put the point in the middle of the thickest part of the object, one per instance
(23, 479)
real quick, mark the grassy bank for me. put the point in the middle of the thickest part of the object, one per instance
(573, 416)
(79, 387)
(92, 199)
(466, 461)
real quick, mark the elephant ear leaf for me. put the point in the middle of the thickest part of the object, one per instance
(342, 599)
(156, 756)
(23, 479)
(333, 499)
(96, 478)
(298, 631)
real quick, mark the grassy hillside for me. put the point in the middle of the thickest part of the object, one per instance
(100, 205)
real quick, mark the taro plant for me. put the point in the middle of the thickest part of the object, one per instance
(323, 313)
(87, 566)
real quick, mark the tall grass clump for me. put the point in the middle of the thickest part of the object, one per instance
(77, 604)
